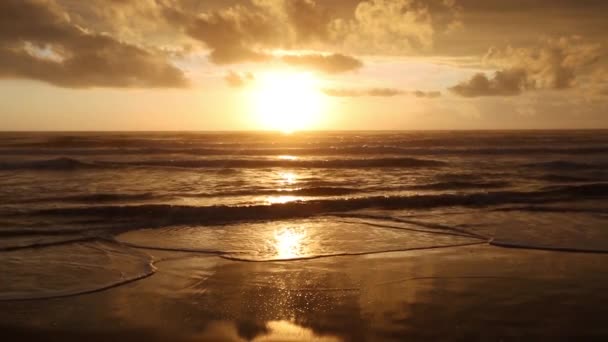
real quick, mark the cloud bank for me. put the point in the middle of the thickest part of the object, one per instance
(556, 64)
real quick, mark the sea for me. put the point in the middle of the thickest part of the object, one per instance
(79, 212)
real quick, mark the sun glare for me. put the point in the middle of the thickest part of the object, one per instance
(287, 101)
(288, 243)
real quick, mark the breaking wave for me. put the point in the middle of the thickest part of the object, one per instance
(162, 214)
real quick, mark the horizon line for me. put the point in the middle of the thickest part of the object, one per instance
(310, 131)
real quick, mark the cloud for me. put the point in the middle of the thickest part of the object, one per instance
(503, 83)
(555, 64)
(233, 34)
(331, 64)
(135, 21)
(381, 92)
(309, 20)
(237, 80)
(491, 22)
(246, 31)
(38, 41)
(426, 94)
(395, 26)
(378, 92)
(596, 85)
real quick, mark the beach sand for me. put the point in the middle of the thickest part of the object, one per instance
(479, 292)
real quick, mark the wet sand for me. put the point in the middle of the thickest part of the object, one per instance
(478, 292)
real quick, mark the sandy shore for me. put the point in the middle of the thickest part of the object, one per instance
(463, 293)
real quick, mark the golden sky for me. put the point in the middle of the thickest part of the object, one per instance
(303, 64)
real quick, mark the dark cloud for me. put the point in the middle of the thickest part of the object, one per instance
(38, 41)
(342, 92)
(378, 92)
(331, 64)
(309, 19)
(237, 54)
(554, 64)
(234, 34)
(426, 94)
(503, 83)
(237, 80)
(381, 92)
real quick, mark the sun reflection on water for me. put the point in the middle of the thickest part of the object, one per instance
(287, 157)
(288, 178)
(281, 199)
(288, 243)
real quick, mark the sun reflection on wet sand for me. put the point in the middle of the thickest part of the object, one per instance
(288, 243)
(287, 331)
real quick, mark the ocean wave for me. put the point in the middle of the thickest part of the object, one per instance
(583, 191)
(72, 164)
(311, 191)
(130, 197)
(299, 151)
(564, 165)
(49, 164)
(556, 178)
(163, 215)
(461, 185)
(263, 163)
(93, 198)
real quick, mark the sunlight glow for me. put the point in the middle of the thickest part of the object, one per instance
(287, 157)
(288, 178)
(288, 243)
(287, 101)
(281, 199)
(288, 331)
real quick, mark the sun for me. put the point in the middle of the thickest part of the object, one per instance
(287, 101)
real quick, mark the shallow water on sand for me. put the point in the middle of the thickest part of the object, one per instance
(297, 239)
(67, 270)
(475, 292)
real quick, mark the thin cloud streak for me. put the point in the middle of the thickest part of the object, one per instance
(378, 92)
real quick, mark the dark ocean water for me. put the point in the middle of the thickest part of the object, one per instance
(77, 208)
